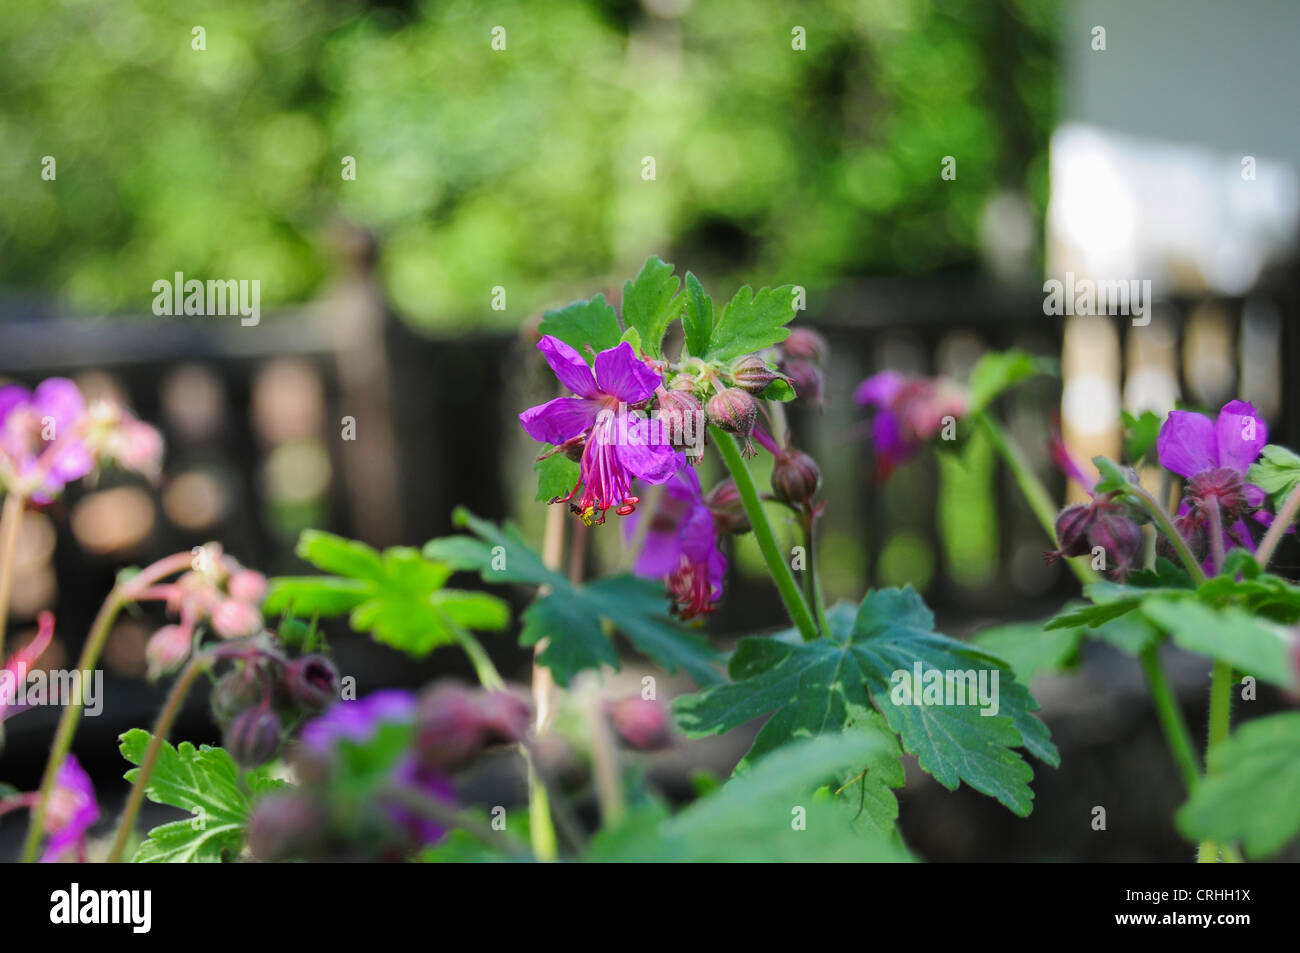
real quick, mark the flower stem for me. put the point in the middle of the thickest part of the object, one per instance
(776, 564)
(604, 760)
(487, 673)
(809, 519)
(1166, 526)
(1035, 493)
(1220, 680)
(121, 594)
(1281, 523)
(11, 521)
(1170, 714)
(175, 699)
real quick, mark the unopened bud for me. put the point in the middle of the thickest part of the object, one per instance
(247, 585)
(727, 508)
(312, 682)
(684, 381)
(448, 729)
(640, 723)
(232, 619)
(806, 379)
(1072, 530)
(734, 411)
(167, 649)
(752, 374)
(681, 416)
(805, 344)
(253, 737)
(235, 692)
(284, 826)
(1115, 531)
(795, 477)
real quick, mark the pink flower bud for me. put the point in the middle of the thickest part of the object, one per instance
(728, 511)
(253, 737)
(640, 723)
(795, 477)
(168, 649)
(248, 586)
(233, 619)
(806, 344)
(734, 411)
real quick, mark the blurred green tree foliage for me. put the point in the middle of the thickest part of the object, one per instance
(523, 167)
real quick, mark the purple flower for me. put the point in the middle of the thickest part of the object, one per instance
(681, 545)
(910, 411)
(617, 446)
(358, 720)
(72, 811)
(40, 447)
(1214, 456)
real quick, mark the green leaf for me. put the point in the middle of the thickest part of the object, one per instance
(1140, 435)
(202, 781)
(998, 371)
(574, 619)
(650, 304)
(396, 595)
(1131, 634)
(584, 323)
(1250, 791)
(812, 688)
(870, 788)
(1113, 476)
(751, 322)
(1277, 471)
(1029, 648)
(779, 389)
(768, 814)
(556, 476)
(1231, 635)
(697, 318)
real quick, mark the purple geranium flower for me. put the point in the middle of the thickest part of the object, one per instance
(72, 811)
(681, 545)
(909, 412)
(1214, 457)
(358, 721)
(41, 450)
(616, 446)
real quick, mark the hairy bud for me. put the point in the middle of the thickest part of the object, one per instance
(312, 682)
(727, 508)
(805, 344)
(253, 736)
(233, 619)
(640, 723)
(734, 411)
(284, 826)
(752, 374)
(681, 416)
(806, 379)
(168, 649)
(795, 477)
(235, 692)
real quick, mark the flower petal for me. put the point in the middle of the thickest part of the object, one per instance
(1186, 444)
(59, 398)
(569, 367)
(11, 396)
(879, 389)
(652, 462)
(1241, 435)
(558, 420)
(620, 373)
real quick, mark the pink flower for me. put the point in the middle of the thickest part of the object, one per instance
(618, 446)
(72, 811)
(681, 546)
(910, 412)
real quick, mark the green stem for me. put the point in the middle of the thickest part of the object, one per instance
(1040, 501)
(487, 673)
(1171, 718)
(815, 596)
(175, 699)
(772, 555)
(122, 593)
(1281, 523)
(1166, 526)
(1220, 681)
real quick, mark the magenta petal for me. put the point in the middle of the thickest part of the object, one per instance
(558, 420)
(652, 462)
(620, 373)
(660, 555)
(78, 813)
(1241, 435)
(879, 389)
(61, 399)
(686, 487)
(11, 396)
(1186, 444)
(569, 367)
